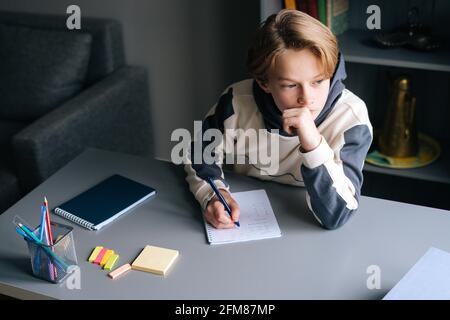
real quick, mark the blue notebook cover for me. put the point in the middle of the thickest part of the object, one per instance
(104, 202)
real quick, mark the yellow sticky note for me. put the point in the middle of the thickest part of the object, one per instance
(155, 259)
(111, 261)
(95, 253)
(105, 258)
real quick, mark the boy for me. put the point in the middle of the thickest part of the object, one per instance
(324, 131)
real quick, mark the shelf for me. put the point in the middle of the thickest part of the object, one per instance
(438, 171)
(357, 47)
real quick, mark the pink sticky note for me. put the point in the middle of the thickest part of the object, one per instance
(119, 271)
(100, 256)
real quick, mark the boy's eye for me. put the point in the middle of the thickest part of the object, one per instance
(318, 81)
(289, 85)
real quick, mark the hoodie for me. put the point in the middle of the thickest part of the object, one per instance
(331, 173)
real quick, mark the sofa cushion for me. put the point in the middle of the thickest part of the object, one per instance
(9, 189)
(8, 128)
(39, 69)
(107, 51)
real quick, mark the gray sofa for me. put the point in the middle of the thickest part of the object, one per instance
(62, 91)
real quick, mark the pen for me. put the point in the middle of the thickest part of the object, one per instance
(23, 234)
(221, 198)
(43, 224)
(37, 258)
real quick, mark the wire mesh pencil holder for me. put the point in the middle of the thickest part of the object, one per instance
(53, 262)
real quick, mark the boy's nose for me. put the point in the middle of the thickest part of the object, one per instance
(303, 101)
(304, 98)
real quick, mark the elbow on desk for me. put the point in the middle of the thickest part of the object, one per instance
(335, 220)
(330, 226)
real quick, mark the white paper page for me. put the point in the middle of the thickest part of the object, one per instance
(428, 279)
(257, 220)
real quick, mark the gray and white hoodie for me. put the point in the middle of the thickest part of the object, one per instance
(331, 173)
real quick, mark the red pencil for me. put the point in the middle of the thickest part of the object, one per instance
(47, 221)
(50, 236)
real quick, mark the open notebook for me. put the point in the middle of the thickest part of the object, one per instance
(257, 220)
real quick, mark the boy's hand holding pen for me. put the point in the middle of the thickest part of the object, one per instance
(217, 213)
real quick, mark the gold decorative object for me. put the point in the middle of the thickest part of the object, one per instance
(398, 137)
(398, 144)
(429, 151)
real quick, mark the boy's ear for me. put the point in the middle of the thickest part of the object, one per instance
(263, 85)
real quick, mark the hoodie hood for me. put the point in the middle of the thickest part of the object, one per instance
(272, 115)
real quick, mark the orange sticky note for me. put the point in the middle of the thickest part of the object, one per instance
(95, 253)
(119, 271)
(100, 255)
(106, 256)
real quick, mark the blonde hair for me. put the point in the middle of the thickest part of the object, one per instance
(291, 29)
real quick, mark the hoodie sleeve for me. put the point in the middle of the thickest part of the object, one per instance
(333, 178)
(196, 166)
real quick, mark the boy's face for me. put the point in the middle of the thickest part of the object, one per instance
(296, 81)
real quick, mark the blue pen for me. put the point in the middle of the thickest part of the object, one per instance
(23, 234)
(42, 229)
(221, 198)
(37, 259)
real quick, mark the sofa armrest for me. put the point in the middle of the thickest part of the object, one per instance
(113, 114)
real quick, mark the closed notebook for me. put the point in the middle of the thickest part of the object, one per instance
(104, 202)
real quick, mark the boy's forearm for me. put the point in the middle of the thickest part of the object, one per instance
(331, 202)
(334, 185)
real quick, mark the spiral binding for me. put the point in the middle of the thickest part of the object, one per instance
(73, 218)
(208, 232)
